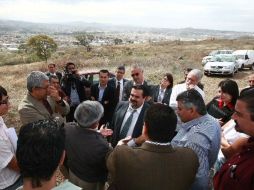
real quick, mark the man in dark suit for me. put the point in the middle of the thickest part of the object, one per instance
(128, 118)
(161, 93)
(118, 83)
(137, 75)
(156, 164)
(104, 93)
(52, 71)
(73, 87)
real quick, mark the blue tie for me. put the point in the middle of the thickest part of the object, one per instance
(126, 126)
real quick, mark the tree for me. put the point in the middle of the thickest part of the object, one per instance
(43, 45)
(85, 40)
(118, 41)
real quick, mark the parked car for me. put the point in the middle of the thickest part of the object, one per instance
(213, 53)
(245, 59)
(221, 65)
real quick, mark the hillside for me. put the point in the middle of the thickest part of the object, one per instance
(156, 58)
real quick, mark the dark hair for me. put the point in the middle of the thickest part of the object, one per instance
(3, 92)
(192, 98)
(53, 77)
(188, 69)
(40, 147)
(170, 79)
(104, 71)
(230, 86)
(248, 97)
(52, 64)
(121, 68)
(68, 64)
(160, 121)
(144, 88)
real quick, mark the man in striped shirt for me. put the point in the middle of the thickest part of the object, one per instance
(198, 131)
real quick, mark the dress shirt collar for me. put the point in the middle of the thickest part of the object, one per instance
(121, 81)
(162, 89)
(134, 83)
(100, 87)
(194, 122)
(138, 109)
(158, 143)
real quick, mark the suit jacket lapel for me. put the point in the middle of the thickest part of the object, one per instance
(139, 124)
(120, 118)
(38, 106)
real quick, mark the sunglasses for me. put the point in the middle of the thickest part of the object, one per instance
(135, 74)
(6, 101)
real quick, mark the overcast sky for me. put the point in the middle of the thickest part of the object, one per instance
(207, 14)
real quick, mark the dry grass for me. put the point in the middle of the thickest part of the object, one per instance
(156, 58)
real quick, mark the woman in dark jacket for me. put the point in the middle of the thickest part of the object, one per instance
(222, 106)
(161, 93)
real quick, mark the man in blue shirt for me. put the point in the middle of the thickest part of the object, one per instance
(198, 131)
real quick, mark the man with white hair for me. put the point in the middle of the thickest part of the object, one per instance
(42, 100)
(86, 148)
(192, 79)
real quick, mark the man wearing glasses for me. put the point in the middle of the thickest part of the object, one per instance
(137, 75)
(9, 171)
(42, 100)
(191, 82)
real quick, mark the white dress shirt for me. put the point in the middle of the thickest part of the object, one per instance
(179, 88)
(7, 151)
(134, 119)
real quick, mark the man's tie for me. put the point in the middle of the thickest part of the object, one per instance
(47, 106)
(118, 91)
(126, 126)
(160, 96)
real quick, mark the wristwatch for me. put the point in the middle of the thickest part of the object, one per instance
(60, 102)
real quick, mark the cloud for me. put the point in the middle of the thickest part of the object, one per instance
(157, 13)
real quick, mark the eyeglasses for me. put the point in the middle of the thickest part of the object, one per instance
(251, 81)
(6, 101)
(45, 88)
(135, 74)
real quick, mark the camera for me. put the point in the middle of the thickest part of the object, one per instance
(70, 74)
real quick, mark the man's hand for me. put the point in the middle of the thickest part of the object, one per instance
(53, 92)
(124, 141)
(105, 132)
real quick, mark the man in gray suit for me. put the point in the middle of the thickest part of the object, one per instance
(156, 164)
(128, 118)
(42, 100)
(137, 75)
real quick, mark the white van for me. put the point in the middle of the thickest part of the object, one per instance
(244, 58)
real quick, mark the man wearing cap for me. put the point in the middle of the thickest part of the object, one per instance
(86, 148)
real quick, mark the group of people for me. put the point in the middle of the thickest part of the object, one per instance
(128, 134)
